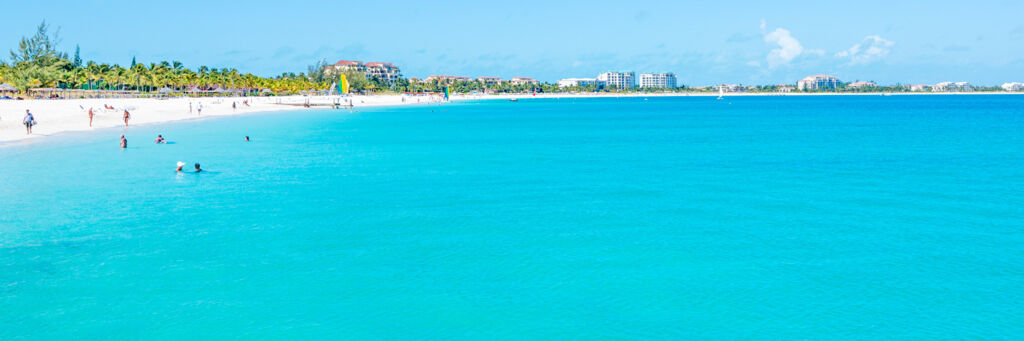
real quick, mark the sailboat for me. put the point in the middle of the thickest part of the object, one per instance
(721, 91)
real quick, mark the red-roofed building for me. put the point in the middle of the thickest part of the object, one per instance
(522, 81)
(384, 71)
(446, 79)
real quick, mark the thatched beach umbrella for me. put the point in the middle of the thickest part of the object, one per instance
(7, 87)
(165, 90)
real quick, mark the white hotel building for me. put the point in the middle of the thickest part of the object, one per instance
(621, 80)
(657, 80)
(569, 82)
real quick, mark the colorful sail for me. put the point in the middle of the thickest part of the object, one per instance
(343, 85)
(447, 92)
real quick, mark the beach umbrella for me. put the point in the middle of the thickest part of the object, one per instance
(7, 87)
(266, 91)
(195, 89)
(165, 90)
(219, 90)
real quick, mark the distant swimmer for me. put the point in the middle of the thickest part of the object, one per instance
(90, 117)
(127, 116)
(198, 169)
(160, 139)
(246, 139)
(124, 142)
(180, 165)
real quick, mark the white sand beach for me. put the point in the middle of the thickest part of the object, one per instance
(57, 116)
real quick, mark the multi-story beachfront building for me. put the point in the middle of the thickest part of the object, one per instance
(858, 85)
(621, 80)
(918, 87)
(522, 81)
(730, 88)
(952, 87)
(818, 82)
(489, 80)
(446, 79)
(1013, 86)
(384, 71)
(657, 80)
(568, 82)
(346, 65)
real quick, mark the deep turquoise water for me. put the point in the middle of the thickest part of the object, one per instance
(745, 218)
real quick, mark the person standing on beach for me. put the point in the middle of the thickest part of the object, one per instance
(124, 142)
(189, 107)
(29, 121)
(234, 106)
(200, 108)
(127, 116)
(90, 117)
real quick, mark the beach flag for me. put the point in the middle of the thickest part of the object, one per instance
(343, 85)
(447, 92)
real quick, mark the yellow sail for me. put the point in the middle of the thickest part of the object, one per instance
(343, 85)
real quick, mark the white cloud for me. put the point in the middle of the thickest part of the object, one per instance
(871, 49)
(787, 48)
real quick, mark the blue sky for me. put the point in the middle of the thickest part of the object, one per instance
(758, 42)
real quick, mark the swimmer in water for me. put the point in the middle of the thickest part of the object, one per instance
(124, 142)
(160, 139)
(180, 165)
(246, 139)
(198, 169)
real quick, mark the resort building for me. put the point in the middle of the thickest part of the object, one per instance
(952, 87)
(346, 65)
(569, 82)
(446, 79)
(657, 80)
(730, 88)
(1014, 86)
(858, 85)
(621, 80)
(384, 71)
(522, 81)
(818, 82)
(785, 88)
(489, 80)
(918, 87)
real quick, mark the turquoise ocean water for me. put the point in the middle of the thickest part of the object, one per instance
(668, 218)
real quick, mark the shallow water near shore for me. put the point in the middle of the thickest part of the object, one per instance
(670, 218)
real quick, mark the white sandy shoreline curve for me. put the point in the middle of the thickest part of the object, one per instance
(70, 115)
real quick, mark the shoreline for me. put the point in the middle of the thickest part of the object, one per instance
(70, 115)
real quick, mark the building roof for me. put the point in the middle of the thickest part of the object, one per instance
(379, 64)
(348, 62)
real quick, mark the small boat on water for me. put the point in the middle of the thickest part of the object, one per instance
(513, 100)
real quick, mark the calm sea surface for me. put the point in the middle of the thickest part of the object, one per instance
(668, 218)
